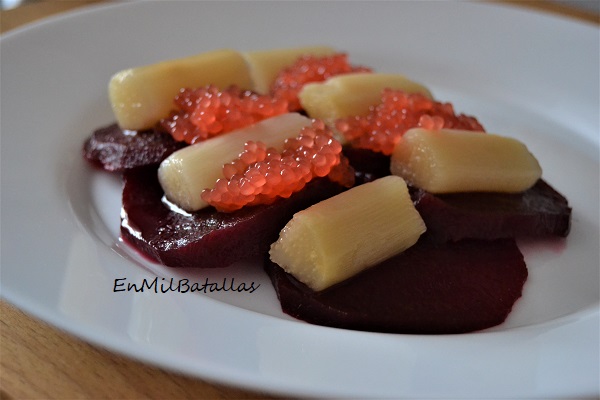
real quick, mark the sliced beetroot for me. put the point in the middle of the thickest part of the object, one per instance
(537, 212)
(368, 165)
(429, 289)
(206, 238)
(112, 149)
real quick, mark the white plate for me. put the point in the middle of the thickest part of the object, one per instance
(523, 74)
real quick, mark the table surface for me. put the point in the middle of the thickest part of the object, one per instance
(29, 366)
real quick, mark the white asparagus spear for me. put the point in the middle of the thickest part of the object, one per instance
(449, 161)
(141, 96)
(348, 233)
(352, 94)
(187, 172)
(264, 65)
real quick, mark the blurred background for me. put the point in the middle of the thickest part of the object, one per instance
(14, 13)
(590, 5)
(585, 5)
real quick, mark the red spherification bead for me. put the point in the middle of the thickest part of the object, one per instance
(261, 175)
(207, 112)
(398, 112)
(307, 69)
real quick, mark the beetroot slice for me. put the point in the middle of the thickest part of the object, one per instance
(368, 165)
(111, 149)
(429, 289)
(206, 238)
(538, 212)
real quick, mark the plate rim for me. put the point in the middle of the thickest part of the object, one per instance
(54, 320)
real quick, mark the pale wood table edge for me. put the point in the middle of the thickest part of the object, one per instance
(38, 361)
(557, 9)
(30, 365)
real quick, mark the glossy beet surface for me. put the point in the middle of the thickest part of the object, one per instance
(537, 212)
(429, 289)
(206, 238)
(112, 149)
(441, 285)
(368, 165)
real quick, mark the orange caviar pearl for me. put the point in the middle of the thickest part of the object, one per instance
(385, 124)
(207, 112)
(307, 69)
(260, 175)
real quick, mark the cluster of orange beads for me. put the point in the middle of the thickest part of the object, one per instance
(307, 69)
(385, 124)
(260, 175)
(207, 112)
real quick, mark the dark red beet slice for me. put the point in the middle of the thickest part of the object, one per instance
(429, 289)
(537, 212)
(207, 238)
(113, 150)
(368, 165)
